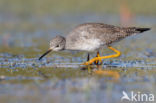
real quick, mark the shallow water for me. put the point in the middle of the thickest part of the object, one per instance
(60, 77)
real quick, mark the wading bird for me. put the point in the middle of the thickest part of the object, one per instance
(91, 37)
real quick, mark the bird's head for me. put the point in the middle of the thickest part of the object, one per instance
(56, 44)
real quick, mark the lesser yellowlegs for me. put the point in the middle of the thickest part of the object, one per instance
(91, 37)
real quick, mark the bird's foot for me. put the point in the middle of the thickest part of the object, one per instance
(97, 62)
(104, 57)
(92, 61)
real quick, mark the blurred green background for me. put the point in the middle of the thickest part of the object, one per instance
(28, 8)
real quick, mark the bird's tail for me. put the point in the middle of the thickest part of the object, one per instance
(132, 30)
(141, 30)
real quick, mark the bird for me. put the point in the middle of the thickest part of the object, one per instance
(91, 37)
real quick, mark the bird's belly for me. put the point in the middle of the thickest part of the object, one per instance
(89, 48)
(87, 45)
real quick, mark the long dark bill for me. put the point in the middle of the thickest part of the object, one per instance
(45, 54)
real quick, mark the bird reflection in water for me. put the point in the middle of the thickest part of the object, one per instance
(98, 70)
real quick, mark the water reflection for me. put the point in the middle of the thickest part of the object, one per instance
(110, 73)
(99, 70)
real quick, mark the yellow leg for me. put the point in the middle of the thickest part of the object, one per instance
(89, 69)
(104, 57)
(100, 60)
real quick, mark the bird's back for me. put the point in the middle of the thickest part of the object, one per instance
(98, 32)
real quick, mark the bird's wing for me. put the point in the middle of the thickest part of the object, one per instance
(104, 32)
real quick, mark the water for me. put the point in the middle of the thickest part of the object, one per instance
(60, 77)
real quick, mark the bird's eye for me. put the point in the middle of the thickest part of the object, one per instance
(57, 46)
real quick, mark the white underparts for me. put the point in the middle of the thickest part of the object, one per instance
(89, 45)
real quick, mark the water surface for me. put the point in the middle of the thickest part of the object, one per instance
(60, 77)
